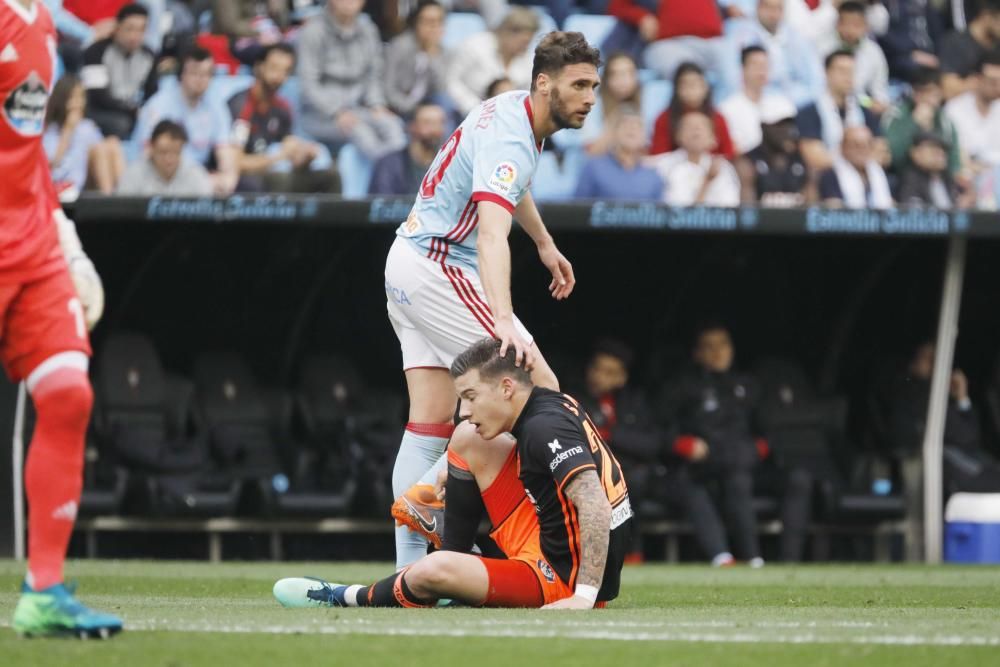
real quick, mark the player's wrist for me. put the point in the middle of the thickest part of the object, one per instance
(585, 592)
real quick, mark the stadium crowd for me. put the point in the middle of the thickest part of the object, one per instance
(777, 102)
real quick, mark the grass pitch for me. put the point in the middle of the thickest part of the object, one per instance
(202, 614)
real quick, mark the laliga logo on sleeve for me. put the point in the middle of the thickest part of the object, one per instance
(503, 177)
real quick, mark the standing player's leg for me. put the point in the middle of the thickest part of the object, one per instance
(45, 342)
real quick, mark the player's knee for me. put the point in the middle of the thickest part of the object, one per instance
(64, 400)
(433, 573)
(464, 439)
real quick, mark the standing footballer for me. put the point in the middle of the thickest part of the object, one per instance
(49, 296)
(447, 276)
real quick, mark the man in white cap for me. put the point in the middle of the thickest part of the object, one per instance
(774, 174)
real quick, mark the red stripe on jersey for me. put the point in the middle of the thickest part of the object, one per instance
(496, 199)
(458, 290)
(473, 295)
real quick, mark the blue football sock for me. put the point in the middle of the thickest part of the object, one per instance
(421, 447)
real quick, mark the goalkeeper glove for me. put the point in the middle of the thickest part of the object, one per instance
(88, 284)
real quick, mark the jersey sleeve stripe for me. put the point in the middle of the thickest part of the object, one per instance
(470, 228)
(571, 475)
(496, 199)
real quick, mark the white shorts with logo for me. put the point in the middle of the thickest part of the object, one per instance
(436, 309)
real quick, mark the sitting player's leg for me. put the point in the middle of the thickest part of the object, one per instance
(45, 343)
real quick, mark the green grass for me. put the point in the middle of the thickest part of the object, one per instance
(224, 616)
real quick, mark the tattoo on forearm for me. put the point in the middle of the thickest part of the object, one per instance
(594, 514)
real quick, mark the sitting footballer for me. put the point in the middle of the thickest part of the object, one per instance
(532, 460)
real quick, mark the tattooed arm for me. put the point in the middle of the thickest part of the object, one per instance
(594, 516)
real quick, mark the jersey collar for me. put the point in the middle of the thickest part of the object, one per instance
(531, 122)
(28, 15)
(521, 418)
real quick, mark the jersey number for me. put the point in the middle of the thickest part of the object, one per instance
(616, 491)
(436, 171)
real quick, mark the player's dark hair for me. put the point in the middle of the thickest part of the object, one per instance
(484, 356)
(705, 326)
(55, 113)
(924, 76)
(170, 129)
(676, 109)
(749, 51)
(991, 59)
(852, 7)
(279, 47)
(194, 54)
(133, 9)
(414, 16)
(612, 347)
(839, 53)
(559, 49)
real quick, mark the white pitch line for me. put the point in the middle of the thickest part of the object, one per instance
(742, 637)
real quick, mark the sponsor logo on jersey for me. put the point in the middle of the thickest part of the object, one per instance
(503, 177)
(563, 456)
(621, 514)
(554, 446)
(546, 571)
(24, 107)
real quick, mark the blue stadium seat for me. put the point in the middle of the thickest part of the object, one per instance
(460, 25)
(595, 27)
(655, 98)
(225, 86)
(355, 172)
(555, 181)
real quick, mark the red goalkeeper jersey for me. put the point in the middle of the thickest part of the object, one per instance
(28, 238)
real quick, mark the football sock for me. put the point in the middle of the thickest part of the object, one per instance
(54, 470)
(390, 592)
(464, 507)
(421, 447)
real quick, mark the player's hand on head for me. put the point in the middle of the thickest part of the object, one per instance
(563, 278)
(508, 336)
(573, 602)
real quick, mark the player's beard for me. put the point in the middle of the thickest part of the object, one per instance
(560, 115)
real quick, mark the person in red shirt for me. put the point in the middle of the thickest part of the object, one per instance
(49, 295)
(679, 31)
(691, 93)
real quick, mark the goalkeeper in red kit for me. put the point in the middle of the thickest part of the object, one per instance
(50, 296)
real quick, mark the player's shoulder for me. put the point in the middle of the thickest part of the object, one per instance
(548, 411)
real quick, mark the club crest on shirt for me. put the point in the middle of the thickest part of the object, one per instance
(546, 571)
(503, 177)
(24, 107)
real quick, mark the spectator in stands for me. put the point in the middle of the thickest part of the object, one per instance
(75, 34)
(620, 87)
(98, 14)
(774, 174)
(742, 111)
(400, 173)
(709, 413)
(624, 419)
(922, 111)
(910, 42)
(492, 11)
(794, 67)
(502, 85)
(205, 119)
(967, 466)
(675, 32)
(415, 60)
(856, 179)
(165, 169)
(817, 19)
(119, 74)
(341, 73)
(250, 25)
(961, 51)
(270, 157)
(925, 181)
(484, 58)
(822, 124)
(77, 151)
(620, 174)
(691, 93)
(692, 174)
(871, 71)
(976, 116)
